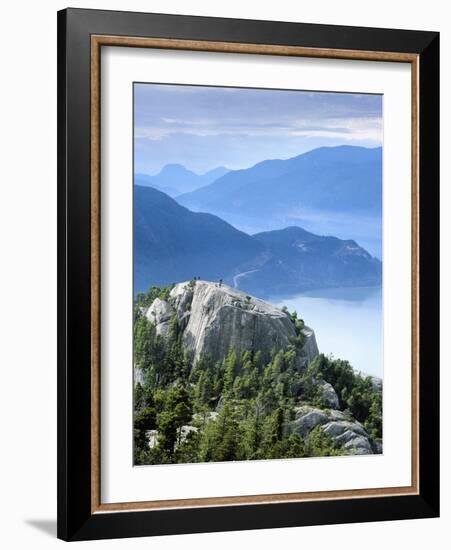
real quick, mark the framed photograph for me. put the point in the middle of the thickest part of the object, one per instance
(248, 274)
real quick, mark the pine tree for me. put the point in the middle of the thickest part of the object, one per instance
(177, 412)
(230, 369)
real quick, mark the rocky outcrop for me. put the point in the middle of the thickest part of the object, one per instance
(344, 431)
(310, 348)
(328, 395)
(349, 435)
(138, 375)
(308, 418)
(215, 318)
(184, 433)
(160, 314)
(376, 382)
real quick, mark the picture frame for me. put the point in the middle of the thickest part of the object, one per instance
(81, 36)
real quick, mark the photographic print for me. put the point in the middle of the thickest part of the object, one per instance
(257, 274)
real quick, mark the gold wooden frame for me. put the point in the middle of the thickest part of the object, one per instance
(97, 41)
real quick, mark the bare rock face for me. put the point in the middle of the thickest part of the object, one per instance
(160, 313)
(350, 435)
(138, 375)
(223, 318)
(216, 318)
(310, 349)
(329, 395)
(308, 418)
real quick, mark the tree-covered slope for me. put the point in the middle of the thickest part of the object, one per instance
(172, 244)
(239, 402)
(299, 260)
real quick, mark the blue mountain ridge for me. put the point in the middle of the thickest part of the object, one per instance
(173, 244)
(344, 178)
(327, 191)
(174, 179)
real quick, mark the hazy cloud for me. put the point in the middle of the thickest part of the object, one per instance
(204, 127)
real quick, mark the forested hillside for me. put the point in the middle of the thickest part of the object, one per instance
(243, 404)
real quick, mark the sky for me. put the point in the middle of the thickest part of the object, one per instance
(205, 127)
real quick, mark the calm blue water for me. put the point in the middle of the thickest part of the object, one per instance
(347, 323)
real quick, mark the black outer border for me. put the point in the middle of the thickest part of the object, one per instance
(75, 521)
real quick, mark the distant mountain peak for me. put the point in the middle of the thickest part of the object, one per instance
(217, 172)
(175, 179)
(340, 181)
(290, 230)
(174, 169)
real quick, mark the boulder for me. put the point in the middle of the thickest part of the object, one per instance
(138, 376)
(337, 428)
(338, 415)
(160, 314)
(152, 438)
(358, 445)
(185, 431)
(182, 297)
(308, 418)
(349, 434)
(329, 395)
